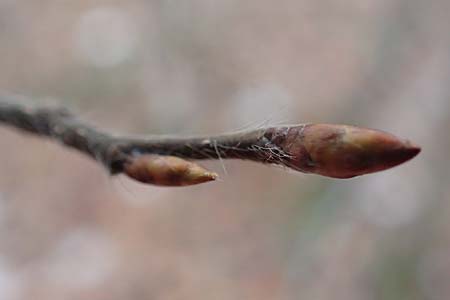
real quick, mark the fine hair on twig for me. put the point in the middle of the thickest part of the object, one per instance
(338, 151)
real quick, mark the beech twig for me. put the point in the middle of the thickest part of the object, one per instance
(338, 151)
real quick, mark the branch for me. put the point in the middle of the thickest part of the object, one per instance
(338, 151)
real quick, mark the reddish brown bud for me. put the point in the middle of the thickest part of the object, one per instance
(342, 151)
(167, 171)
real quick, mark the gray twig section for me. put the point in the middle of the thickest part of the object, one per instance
(113, 151)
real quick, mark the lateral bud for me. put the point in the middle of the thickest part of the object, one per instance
(166, 171)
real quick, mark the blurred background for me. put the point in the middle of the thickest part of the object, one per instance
(69, 231)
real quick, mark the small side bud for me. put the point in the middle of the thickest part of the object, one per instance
(167, 171)
(343, 151)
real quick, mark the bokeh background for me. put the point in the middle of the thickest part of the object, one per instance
(69, 231)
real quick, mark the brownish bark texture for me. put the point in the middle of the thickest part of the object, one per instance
(338, 151)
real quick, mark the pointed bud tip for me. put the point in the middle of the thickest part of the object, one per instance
(401, 155)
(412, 150)
(210, 176)
(197, 174)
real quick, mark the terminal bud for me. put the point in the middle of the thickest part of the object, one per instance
(342, 151)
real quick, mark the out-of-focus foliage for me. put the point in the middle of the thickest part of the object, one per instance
(68, 231)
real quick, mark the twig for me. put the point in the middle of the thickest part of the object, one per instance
(339, 151)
